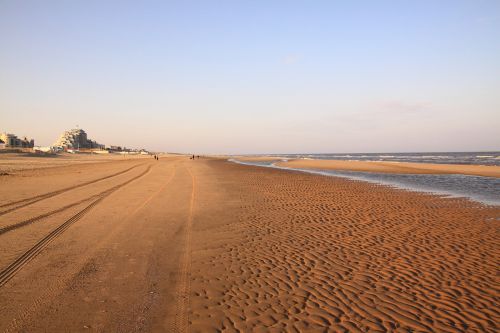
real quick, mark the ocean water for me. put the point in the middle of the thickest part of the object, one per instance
(475, 158)
(481, 189)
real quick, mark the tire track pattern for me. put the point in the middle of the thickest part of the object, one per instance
(32, 220)
(29, 201)
(181, 320)
(7, 273)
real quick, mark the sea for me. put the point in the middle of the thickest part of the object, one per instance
(475, 158)
(485, 190)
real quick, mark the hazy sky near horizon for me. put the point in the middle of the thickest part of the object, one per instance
(254, 76)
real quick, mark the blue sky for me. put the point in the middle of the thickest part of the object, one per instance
(254, 76)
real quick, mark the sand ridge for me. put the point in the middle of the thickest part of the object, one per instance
(393, 167)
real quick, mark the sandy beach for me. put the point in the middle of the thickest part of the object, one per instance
(205, 245)
(11, 163)
(391, 167)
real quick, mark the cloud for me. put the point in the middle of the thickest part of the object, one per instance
(291, 59)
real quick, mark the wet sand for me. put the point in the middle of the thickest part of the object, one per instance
(178, 245)
(257, 158)
(393, 167)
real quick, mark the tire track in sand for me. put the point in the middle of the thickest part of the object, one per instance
(17, 322)
(32, 220)
(29, 201)
(7, 273)
(144, 204)
(181, 320)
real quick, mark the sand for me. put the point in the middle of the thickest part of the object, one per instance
(257, 158)
(15, 162)
(394, 167)
(178, 245)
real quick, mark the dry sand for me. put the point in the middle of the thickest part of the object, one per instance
(394, 167)
(14, 162)
(178, 245)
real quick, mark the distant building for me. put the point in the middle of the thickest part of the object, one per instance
(114, 148)
(12, 141)
(76, 139)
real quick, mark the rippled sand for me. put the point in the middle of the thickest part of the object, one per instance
(308, 253)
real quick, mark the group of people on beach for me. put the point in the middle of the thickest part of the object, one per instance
(191, 157)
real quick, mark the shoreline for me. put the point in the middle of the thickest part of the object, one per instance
(380, 166)
(419, 182)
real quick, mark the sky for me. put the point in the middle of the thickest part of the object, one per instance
(252, 77)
